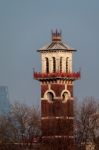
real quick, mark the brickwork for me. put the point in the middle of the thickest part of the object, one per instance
(70, 88)
(62, 143)
(58, 88)
(57, 118)
(44, 88)
(57, 108)
(57, 126)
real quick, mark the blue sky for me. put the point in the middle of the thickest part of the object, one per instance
(25, 26)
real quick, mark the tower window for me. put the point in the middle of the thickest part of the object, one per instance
(50, 96)
(67, 69)
(61, 64)
(65, 96)
(47, 65)
(54, 64)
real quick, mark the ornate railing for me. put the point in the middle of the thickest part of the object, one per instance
(71, 75)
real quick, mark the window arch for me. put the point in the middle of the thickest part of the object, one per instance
(60, 64)
(67, 66)
(47, 65)
(54, 64)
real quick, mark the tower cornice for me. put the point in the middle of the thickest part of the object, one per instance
(57, 75)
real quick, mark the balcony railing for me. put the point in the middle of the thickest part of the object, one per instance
(68, 75)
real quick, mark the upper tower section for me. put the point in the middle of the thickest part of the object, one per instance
(56, 59)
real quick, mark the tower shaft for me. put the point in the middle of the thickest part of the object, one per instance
(57, 79)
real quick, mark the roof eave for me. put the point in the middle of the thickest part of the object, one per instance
(50, 50)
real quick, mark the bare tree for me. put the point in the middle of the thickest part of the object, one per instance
(22, 124)
(87, 123)
(26, 119)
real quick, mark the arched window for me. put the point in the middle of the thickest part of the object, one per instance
(67, 69)
(65, 96)
(47, 65)
(50, 96)
(54, 64)
(61, 64)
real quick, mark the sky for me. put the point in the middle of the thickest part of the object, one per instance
(25, 26)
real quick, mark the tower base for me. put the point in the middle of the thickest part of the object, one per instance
(57, 143)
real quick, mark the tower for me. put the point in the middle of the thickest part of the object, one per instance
(57, 99)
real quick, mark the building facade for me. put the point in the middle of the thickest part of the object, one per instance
(57, 99)
(4, 100)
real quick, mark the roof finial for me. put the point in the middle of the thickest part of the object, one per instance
(56, 36)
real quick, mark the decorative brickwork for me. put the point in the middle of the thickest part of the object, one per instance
(58, 88)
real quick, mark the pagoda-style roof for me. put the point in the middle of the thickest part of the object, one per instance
(56, 44)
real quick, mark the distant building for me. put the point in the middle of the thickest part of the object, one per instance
(4, 100)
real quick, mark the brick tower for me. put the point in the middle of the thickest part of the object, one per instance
(57, 99)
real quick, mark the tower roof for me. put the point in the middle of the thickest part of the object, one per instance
(56, 43)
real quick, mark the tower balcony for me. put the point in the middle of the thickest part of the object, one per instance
(57, 75)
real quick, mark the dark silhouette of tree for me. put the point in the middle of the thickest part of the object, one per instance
(87, 123)
(21, 125)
